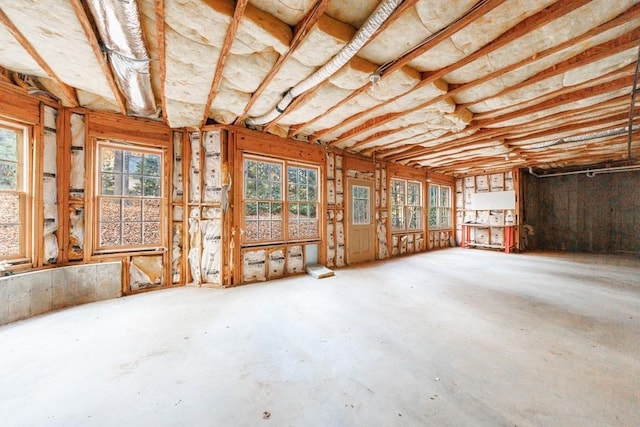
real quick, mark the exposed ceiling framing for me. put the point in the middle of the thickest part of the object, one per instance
(455, 86)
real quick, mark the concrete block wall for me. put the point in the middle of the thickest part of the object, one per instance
(577, 213)
(28, 294)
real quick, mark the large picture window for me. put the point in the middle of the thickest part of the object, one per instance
(406, 205)
(129, 197)
(439, 206)
(267, 208)
(14, 185)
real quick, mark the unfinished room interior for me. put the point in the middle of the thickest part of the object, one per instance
(319, 212)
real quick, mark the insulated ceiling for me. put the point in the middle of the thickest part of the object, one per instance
(455, 86)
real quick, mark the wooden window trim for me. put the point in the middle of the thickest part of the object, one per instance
(24, 191)
(438, 226)
(285, 164)
(98, 197)
(406, 206)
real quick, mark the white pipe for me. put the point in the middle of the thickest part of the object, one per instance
(589, 172)
(364, 34)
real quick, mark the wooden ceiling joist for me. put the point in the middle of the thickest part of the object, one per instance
(400, 62)
(71, 98)
(238, 13)
(303, 97)
(587, 57)
(530, 24)
(92, 38)
(484, 134)
(301, 32)
(162, 54)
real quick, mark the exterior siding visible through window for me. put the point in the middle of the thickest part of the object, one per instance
(267, 208)
(439, 206)
(130, 191)
(406, 205)
(14, 187)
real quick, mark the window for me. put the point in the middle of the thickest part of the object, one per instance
(361, 205)
(129, 197)
(439, 206)
(406, 205)
(14, 185)
(267, 207)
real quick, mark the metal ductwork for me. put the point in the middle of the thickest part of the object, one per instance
(118, 22)
(364, 34)
(587, 137)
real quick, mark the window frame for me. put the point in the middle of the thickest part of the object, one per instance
(405, 207)
(24, 190)
(440, 207)
(138, 149)
(285, 200)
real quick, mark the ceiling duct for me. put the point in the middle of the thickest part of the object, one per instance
(587, 137)
(364, 34)
(118, 22)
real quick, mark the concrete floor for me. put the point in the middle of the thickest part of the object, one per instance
(453, 337)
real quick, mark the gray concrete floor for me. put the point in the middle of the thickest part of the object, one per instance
(454, 337)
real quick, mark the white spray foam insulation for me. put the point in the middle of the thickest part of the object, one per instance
(212, 174)
(50, 186)
(353, 13)
(259, 41)
(408, 29)
(324, 41)
(478, 33)
(145, 272)
(194, 31)
(340, 260)
(496, 85)
(390, 86)
(338, 181)
(288, 11)
(276, 263)
(194, 167)
(193, 257)
(295, 260)
(95, 102)
(176, 253)
(571, 78)
(177, 181)
(253, 266)
(555, 32)
(76, 233)
(14, 57)
(352, 76)
(62, 29)
(211, 263)
(77, 157)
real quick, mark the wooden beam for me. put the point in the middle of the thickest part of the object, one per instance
(628, 15)
(587, 57)
(162, 55)
(67, 91)
(89, 31)
(532, 23)
(400, 62)
(300, 34)
(483, 134)
(397, 13)
(224, 53)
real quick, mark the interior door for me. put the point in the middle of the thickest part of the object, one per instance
(360, 221)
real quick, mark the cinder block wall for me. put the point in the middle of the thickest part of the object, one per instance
(28, 294)
(576, 213)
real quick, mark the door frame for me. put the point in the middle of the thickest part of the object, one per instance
(348, 212)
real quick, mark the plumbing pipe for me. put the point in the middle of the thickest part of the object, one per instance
(589, 172)
(364, 34)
